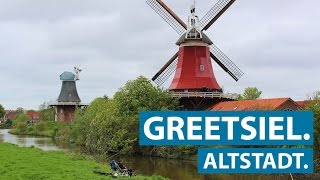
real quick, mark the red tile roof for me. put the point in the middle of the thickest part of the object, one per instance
(303, 104)
(34, 115)
(258, 104)
(11, 114)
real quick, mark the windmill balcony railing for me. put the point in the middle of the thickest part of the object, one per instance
(205, 95)
(56, 103)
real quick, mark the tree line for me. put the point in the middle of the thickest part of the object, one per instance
(111, 125)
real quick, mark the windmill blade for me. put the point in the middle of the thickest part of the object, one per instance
(225, 63)
(166, 71)
(214, 13)
(168, 15)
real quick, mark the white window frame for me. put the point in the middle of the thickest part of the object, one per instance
(201, 67)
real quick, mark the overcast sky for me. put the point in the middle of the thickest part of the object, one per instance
(275, 43)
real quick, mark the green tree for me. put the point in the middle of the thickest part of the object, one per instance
(2, 111)
(46, 113)
(20, 123)
(111, 124)
(250, 93)
(100, 130)
(314, 106)
(140, 95)
(22, 118)
(19, 111)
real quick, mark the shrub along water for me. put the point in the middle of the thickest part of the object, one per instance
(112, 125)
(46, 126)
(23, 127)
(6, 125)
(20, 124)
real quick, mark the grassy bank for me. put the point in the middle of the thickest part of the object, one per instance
(31, 163)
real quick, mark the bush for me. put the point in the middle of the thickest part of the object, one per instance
(314, 106)
(30, 129)
(21, 118)
(6, 125)
(112, 125)
(40, 126)
(141, 95)
(46, 113)
(21, 127)
(97, 130)
(62, 131)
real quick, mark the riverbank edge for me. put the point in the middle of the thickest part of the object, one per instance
(37, 134)
(69, 157)
(314, 176)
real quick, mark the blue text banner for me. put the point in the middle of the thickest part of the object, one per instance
(254, 160)
(226, 128)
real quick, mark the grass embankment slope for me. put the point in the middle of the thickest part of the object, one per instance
(32, 163)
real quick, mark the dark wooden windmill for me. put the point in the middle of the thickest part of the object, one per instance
(68, 99)
(194, 81)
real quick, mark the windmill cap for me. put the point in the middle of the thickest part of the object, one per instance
(205, 39)
(67, 76)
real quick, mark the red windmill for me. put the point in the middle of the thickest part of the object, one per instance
(194, 79)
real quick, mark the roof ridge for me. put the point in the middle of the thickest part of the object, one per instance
(265, 99)
(242, 104)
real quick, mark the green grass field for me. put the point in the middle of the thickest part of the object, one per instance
(32, 163)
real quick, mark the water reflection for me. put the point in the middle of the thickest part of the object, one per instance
(28, 141)
(183, 170)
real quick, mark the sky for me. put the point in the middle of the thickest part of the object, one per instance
(275, 43)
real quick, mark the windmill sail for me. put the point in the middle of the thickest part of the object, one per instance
(166, 71)
(214, 13)
(225, 63)
(180, 27)
(168, 15)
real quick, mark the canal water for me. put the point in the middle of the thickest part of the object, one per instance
(43, 143)
(170, 168)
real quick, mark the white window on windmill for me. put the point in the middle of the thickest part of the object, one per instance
(201, 67)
